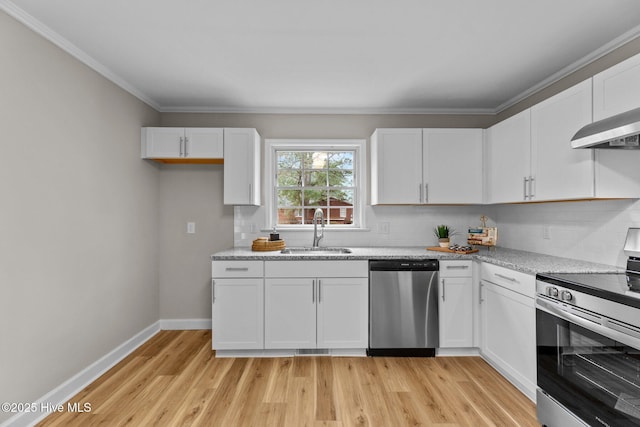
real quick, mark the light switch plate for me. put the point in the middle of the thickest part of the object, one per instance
(191, 228)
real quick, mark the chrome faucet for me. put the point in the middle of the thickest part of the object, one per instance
(317, 237)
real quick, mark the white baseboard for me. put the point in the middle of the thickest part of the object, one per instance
(455, 352)
(184, 324)
(75, 384)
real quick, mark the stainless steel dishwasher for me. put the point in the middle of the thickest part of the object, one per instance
(403, 307)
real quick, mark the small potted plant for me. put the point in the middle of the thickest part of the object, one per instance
(443, 233)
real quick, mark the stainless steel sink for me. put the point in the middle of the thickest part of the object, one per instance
(313, 251)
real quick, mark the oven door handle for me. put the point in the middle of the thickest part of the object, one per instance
(605, 331)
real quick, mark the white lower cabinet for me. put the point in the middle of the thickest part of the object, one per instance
(237, 305)
(508, 325)
(315, 304)
(455, 304)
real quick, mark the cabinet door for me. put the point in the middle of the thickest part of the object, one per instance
(508, 158)
(343, 313)
(508, 335)
(203, 143)
(290, 313)
(452, 165)
(241, 167)
(237, 314)
(559, 171)
(396, 174)
(616, 89)
(456, 309)
(162, 143)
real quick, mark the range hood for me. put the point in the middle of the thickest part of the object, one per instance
(620, 131)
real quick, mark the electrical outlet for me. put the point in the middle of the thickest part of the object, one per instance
(383, 228)
(546, 232)
(191, 228)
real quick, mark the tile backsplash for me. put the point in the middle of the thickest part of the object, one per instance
(385, 226)
(591, 231)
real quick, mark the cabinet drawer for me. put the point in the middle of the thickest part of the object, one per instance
(456, 268)
(237, 268)
(522, 283)
(329, 268)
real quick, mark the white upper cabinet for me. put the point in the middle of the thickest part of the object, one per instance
(180, 145)
(396, 166)
(508, 164)
(616, 89)
(452, 165)
(241, 166)
(529, 156)
(426, 166)
(559, 172)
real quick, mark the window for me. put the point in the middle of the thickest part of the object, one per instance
(315, 174)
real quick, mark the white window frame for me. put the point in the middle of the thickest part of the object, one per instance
(271, 203)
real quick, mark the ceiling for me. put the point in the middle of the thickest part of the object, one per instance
(365, 56)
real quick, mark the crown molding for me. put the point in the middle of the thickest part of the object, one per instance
(345, 111)
(39, 28)
(571, 68)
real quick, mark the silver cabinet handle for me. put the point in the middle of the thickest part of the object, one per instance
(426, 192)
(319, 291)
(524, 187)
(237, 269)
(442, 289)
(457, 267)
(186, 146)
(213, 290)
(181, 142)
(511, 279)
(419, 193)
(532, 187)
(481, 299)
(313, 291)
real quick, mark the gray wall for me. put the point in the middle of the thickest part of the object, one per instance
(78, 216)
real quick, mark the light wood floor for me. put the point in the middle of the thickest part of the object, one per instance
(173, 379)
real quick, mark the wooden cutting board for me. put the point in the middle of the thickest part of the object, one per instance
(439, 249)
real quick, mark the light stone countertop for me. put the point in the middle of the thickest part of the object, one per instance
(526, 262)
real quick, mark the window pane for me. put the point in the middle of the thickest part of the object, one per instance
(341, 160)
(341, 197)
(289, 160)
(289, 216)
(316, 160)
(340, 178)
(289, 178)
(315, 178)
(289, 197)
(315, 198)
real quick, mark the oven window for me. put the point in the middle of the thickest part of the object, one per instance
(596, 378)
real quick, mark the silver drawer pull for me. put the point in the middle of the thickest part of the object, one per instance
(511, 279)
(237, 269)
(457, 267)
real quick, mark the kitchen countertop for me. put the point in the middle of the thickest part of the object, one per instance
(526, 262)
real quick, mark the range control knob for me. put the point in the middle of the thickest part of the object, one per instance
(566, 296)
(552, 291)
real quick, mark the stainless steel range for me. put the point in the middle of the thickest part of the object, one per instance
(588, 345)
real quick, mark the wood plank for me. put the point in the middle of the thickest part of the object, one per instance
(174, 379)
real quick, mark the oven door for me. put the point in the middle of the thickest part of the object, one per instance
(586, 368)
